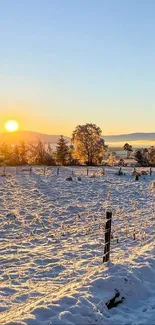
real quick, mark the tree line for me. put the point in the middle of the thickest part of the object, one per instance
(144, 157)
(87, 147)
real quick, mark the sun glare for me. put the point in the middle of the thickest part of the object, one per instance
(11, 126)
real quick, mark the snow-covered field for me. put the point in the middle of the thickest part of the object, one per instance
(52, 245)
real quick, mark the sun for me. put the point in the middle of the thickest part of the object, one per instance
(11, 126)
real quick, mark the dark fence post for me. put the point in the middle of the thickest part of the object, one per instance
(107, 236)
(120, 171)
(58, 170)
(150, 171)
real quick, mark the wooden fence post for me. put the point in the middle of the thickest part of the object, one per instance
(44, 171)
(58, 170)
(103, 171)
(107, 236)
(87, 171)
(134, 233)
(4, 170)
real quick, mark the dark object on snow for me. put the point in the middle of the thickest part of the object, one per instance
(92, 176)
(6, 175)
(136, 177)
(120, 173)
(143, 172)
(135, 173)
(69, 178)
(79, 178)
(113, 303)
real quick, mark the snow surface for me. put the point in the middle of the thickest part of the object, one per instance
(52, 245)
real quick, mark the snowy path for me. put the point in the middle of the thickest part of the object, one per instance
(52, 243)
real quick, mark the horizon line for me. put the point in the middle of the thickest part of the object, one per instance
(106, 135)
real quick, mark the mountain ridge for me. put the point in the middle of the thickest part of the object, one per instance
(137, 136)
(30, 136)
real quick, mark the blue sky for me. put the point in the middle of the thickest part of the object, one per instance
(67, 62)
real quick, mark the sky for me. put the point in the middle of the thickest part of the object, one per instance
(70, 62)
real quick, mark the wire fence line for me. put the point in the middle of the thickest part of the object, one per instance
(45, 253)
(72, 170)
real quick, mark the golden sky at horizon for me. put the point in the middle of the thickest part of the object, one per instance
(51, 120)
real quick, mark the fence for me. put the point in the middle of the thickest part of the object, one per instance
(52, 170)
(53, 232)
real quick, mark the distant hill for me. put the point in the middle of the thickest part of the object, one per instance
(28, 136)
(130, 137)
(113, 140)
